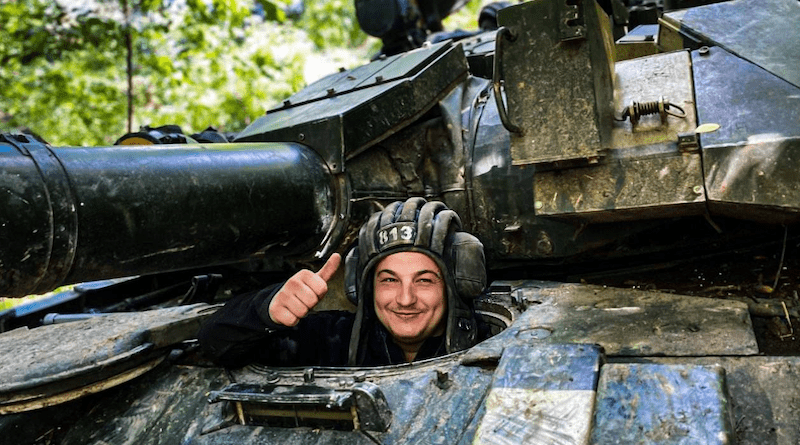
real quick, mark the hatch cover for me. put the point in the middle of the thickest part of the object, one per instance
(60, 362)
(345, 113)
(633, 323)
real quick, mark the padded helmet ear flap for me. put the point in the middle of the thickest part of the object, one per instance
(351, 275)
(469, 265)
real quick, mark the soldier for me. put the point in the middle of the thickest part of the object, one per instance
(412, 275)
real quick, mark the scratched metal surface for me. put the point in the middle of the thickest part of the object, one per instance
(664, 404)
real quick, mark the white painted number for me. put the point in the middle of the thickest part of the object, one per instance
(396, 233)
(383, 238)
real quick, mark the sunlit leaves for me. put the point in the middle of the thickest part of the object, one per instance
(272, 11)
(196, 63)
(332, 24)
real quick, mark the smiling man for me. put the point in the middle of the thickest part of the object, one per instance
(409, 299)
(412, 275)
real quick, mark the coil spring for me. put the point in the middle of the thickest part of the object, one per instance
(662, 107)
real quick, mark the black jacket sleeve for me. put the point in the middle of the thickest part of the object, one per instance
(241, 332)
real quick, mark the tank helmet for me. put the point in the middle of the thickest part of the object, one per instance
(417, 225)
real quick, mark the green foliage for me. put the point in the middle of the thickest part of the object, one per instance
(221, 74)
(213, 63)
(40, 29)
(8, 303)
(59, 73)
(272, 11)
(236, 85)
(467, 17)
(332, 24)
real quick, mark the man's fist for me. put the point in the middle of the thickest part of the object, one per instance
(302, 292)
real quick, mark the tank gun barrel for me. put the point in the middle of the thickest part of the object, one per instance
(73, 214)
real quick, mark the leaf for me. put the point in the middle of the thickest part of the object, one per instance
(272, 11)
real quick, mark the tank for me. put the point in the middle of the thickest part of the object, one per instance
(636, 194)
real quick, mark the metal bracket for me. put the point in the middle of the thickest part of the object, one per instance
(688, 142)
(571, 24)
(362, 406)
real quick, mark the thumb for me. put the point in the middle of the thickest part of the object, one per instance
(330, 267)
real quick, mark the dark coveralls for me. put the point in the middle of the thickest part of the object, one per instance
(241, 332)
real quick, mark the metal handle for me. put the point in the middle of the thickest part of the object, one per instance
(497, 78)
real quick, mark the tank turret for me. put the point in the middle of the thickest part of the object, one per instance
(564, 154)
(559, 154)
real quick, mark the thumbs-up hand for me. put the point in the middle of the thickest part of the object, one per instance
(302, 292)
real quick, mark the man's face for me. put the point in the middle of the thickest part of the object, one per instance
(409, 297)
